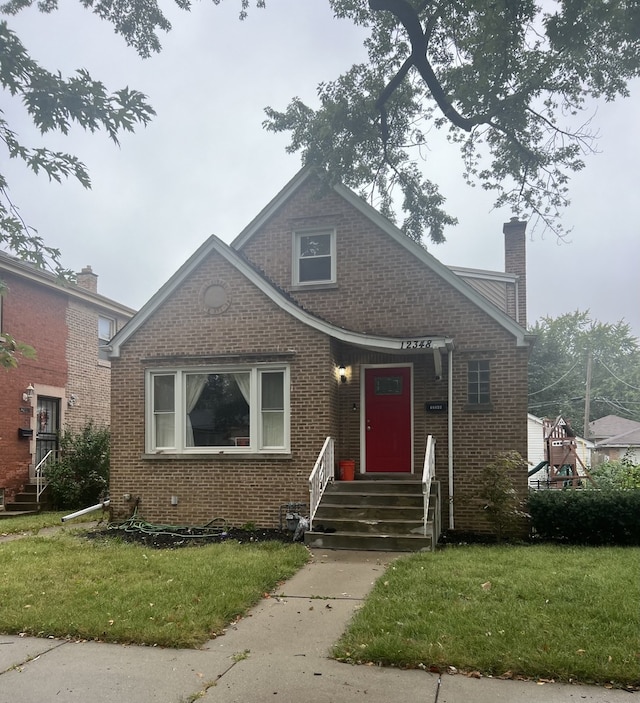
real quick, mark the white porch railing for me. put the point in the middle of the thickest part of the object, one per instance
(428, 474)
(322, 473)
(40, 471)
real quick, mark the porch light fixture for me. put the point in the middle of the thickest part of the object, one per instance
(342, 372)
(28, 394)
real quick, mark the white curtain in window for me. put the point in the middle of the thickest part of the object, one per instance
(164, 410)
(244, 384)
(272, 409)
(194, 387)
(272, 429)
(165, 430)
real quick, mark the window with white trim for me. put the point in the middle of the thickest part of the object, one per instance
(314, 257)
(235, 410)
(106, 330)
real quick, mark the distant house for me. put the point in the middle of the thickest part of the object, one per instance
(321, 336)
(68, 383)
(615, 438)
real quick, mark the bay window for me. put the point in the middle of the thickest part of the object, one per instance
(235, 410)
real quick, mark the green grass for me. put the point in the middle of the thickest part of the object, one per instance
(34, 523)
(540, 612)
(67, 586)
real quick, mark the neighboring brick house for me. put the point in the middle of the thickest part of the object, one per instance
(68, 383)
(320, 320)
(615, 438)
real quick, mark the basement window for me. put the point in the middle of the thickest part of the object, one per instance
(212, 410)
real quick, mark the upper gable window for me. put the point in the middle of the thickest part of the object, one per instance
(314, 257)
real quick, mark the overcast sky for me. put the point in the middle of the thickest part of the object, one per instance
(206, 166)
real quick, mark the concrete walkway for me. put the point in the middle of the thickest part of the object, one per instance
(278, 653)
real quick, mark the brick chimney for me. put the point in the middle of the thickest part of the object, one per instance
(515, 262)
(87, 279)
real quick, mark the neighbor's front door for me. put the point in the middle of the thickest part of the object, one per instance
(48, 426)
(387, 419)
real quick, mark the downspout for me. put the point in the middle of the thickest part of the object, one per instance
(450, 436)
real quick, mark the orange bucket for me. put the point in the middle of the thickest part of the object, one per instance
(347, 470)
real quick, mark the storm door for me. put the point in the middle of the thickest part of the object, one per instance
(47, 426)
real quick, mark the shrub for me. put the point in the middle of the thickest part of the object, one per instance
(81, 477)
(586, 517)
(504, 507)
(617, 474)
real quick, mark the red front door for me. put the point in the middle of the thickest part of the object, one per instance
(387, 419)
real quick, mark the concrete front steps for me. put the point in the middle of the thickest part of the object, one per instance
(25, 503)
(384, 513)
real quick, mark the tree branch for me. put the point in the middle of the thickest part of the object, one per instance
(410, 20)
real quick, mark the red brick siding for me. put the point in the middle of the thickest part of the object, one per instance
(64, 332)
(35, 316)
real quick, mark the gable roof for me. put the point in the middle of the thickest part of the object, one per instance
(396, 234)
(535, 420)
(626, 439)
(50, 280)
(213, 244)
(232, 255)
(612, 426)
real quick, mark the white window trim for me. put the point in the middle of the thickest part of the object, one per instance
(297, 235)
(102, 355)
(255, 419)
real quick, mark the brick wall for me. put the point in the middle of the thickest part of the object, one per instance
(89, 379)
(515, 261)
(35, 316)
(246, 488)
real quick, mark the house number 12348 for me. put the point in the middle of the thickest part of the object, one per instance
(416, 344)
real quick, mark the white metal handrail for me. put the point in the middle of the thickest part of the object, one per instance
(322, 473)
(39, 471)
(428, 474)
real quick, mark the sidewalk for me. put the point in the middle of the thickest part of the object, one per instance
(277, 653)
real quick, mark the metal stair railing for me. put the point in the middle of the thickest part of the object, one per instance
(322, 473)
(428, 474)
(40, 471)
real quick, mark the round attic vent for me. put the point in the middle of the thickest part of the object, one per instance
(215, 298)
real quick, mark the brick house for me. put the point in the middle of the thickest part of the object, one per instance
(68, 383)
(321, 335)
(615, 438)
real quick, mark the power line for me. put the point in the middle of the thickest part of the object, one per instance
(617, 405)
(616, 377)
(555, 382)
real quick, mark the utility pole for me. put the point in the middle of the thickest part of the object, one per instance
(587, 397)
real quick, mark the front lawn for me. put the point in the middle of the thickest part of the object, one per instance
(546, 612)
(34, 523)
(68, 586)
